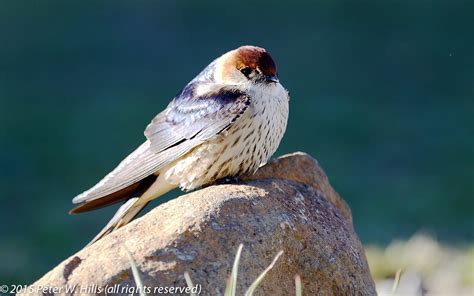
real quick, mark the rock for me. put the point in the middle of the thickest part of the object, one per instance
(288, 205)
(302, 168)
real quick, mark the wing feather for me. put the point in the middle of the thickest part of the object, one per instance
(188, 121)
(201, 116)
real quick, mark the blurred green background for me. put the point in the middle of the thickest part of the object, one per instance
(382, 95)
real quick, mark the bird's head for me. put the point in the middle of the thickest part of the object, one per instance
(246, 64)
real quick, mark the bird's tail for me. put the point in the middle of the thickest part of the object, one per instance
(132, 207)
(129, 210)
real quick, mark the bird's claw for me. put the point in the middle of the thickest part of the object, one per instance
(228, 180)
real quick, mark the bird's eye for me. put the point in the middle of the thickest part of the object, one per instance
(246, 71)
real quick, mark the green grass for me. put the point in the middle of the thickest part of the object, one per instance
(136, 275)
(231, 287)
(232, 281)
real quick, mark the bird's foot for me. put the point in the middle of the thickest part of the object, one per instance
(228, 180)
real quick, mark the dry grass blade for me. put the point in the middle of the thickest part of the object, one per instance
(232, 282)
(257, 282)
(396, 282)
(298, 286)
(189, 282)
(136, 275)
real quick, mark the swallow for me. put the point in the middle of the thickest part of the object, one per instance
(226, 122)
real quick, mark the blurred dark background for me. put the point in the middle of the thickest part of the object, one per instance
(382, 95)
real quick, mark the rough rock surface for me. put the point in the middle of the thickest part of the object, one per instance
(288, 205)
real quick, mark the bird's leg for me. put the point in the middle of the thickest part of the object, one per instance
(228, 180)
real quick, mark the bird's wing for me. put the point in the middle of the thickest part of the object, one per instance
(188, 121)
(190, 116)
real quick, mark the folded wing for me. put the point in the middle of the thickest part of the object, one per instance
(188, 121)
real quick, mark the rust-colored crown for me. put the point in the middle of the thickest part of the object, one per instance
(254, 57)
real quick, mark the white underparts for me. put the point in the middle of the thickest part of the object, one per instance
(241, 149)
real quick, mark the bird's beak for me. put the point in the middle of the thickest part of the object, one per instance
(271, 78)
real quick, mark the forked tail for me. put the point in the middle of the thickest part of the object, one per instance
(129, 210)
(136, 197)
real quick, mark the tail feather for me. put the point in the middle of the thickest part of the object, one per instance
(132, 207)
(129, 210)
(135, 189)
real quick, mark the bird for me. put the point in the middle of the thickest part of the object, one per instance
(225, 123)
